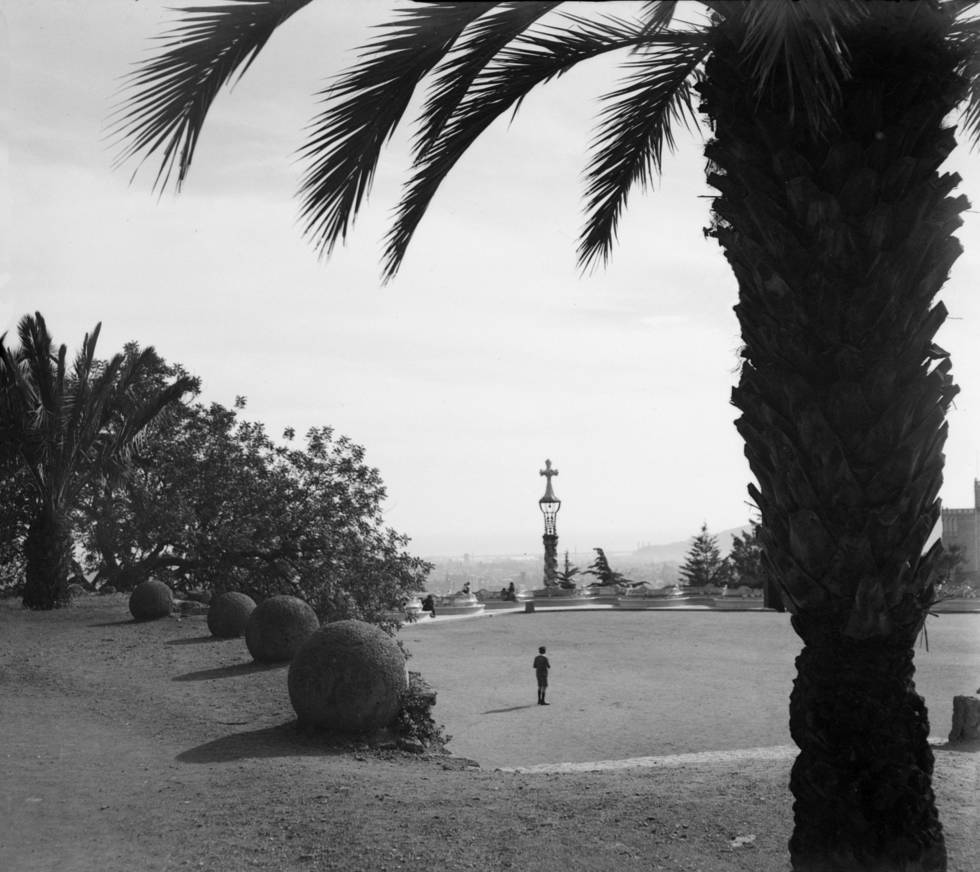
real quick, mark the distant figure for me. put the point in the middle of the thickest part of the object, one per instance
(466, 587)
(541, 667)
(429, 605)
(504, 595)
(511, 592)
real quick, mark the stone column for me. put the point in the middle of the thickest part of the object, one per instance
(550, 559)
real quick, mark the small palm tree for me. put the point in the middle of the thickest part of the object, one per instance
(69, 428)
(566, 576)
(827, 131)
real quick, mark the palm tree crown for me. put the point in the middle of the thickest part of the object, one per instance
(67, 427)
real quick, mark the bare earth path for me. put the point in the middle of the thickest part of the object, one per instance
(153, 747)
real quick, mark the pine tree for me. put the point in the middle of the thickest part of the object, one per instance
(704, 564)
(601, 569)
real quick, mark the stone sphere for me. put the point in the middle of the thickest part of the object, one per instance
(228, 614)
(277, 627)
(348, 676)
(150, 600)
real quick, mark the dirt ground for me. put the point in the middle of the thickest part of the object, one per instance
(152, 746)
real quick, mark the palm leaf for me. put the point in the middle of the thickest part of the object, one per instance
(532, 59)
(965, 36)
(77, 400)
(36, 357)
(657, 14)
(114, 448)
(363, 108)
(475, 48)
(798, 40)
(634, 129)
(170, 94)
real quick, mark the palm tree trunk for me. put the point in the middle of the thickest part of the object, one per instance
(839, 240)
(48, 556)
(864, 768)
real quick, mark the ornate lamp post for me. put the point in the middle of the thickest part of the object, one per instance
(549, 505)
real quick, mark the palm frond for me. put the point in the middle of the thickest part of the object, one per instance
(800, 39)
(965, 36)
(113, 448)
(534, 58)
(35, 356)
(634, 128)
(957, 7)
(362, 109)
(169, 95)
(475, 48)
(78, 400)
(657, 14)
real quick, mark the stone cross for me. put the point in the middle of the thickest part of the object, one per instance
(549, 494)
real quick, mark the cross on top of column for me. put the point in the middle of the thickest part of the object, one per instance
(549, 494)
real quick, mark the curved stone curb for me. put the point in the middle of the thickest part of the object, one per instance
(776, 752)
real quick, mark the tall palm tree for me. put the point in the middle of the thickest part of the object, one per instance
(827, 131)
(69, 428)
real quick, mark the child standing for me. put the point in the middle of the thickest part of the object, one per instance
(541, 667)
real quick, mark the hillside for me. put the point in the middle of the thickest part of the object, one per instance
(675, 552)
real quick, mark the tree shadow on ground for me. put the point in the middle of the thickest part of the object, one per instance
(282, 740)
(229, 671)
(513, 708)
(198, 640)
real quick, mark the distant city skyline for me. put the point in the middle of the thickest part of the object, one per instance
(487, 354)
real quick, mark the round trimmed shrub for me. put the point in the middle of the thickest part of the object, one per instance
(150, 600)
(349, 676)
(228, 614)
(277, 627)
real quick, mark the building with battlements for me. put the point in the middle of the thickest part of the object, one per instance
(962, 527)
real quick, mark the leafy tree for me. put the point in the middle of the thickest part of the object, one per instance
(948, 569)
(828, 128)
(746, 559)
(704, 564)
(69, 428)
(217, 504)
(606, 575)
(748, 566)
(566, 577)
(15, 517)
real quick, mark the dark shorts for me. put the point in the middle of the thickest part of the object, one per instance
(542, 679)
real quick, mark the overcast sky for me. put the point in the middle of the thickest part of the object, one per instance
(487, 354)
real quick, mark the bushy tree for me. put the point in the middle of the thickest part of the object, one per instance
(219, 505)
(748, 567)
(704, 564)
(606, 576)
(949, 567)
(745, 559)
(15, 518)
(69, 427)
